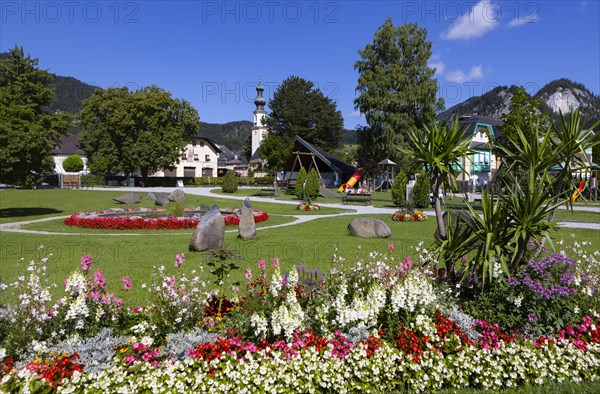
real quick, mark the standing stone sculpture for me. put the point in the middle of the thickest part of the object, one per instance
(161, 200)
(177, 195)
(210, 232)
(128, 198)
(369, 228)
(247, 226)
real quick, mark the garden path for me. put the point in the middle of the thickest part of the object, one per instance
(355, 210)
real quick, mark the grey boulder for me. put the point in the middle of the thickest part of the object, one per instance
(210, 232)
(369, 228)
(151, 196)
(161, 200)
(128, 198)
(247, 226)
(177, 195)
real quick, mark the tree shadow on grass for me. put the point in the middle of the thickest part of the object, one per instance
(21, 212)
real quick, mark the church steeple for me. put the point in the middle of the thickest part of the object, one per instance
(260, 101)
(259, 131)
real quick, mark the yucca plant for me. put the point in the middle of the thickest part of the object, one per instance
(438, 149)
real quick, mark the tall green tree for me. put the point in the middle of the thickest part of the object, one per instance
(524, 115)
(396, 89)
(146, 129)
(28, 131)
(298, 108)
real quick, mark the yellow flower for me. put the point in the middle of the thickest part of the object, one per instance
(123, 350)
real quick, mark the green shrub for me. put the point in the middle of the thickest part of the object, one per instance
(399, 189)
(312, 186)
(73, 163)
(230, 182)
(421, 191)
(175, 208)
(300, 178)
(92, 180)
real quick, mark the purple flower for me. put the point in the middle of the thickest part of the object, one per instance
(126, 283)
(532, 317)
(275, 262)
(86, 262)
(513, 281)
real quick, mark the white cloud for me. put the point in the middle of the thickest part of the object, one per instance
(460, 76)
(520, 21)
(354, 114)
(439, 66)
(483, 17)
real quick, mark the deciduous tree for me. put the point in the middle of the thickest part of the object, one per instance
(28, 131)
(123, 131)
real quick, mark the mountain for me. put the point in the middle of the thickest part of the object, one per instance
(563, 94)
(232, 134)
(70, 93)
(556, 96)
(493, 104)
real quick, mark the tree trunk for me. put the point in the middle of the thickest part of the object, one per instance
(437, 203)
(144, 170)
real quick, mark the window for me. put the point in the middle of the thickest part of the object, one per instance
(202, 144)
(206, 157)
(194, 143)
(196, 158)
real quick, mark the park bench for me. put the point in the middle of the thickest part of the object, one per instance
(267, 191)
(357, 197)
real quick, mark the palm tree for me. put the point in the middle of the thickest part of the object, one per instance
(438, 149)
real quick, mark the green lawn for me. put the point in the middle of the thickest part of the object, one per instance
(312, 243)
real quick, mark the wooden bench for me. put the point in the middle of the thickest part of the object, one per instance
(268, 191)
(357, 197)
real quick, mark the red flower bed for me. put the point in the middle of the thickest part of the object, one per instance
(137, 223)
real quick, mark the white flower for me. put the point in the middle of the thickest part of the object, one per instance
(148, 341)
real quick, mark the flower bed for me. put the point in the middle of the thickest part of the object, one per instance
(136, 219)
(383, 326)
(308, 207)
(405, 216)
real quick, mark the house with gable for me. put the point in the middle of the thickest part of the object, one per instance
(481, 165)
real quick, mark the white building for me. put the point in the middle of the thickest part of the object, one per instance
(199, 158)
(67, 146)
(259, 130)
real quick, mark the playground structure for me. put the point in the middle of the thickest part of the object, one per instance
(578, 190)
(351, 182)
(387, 178)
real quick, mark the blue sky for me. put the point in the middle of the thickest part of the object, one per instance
(212, 53)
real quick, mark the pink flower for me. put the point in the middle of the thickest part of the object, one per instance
(391, 246)
(95, 296)
(261, 264)
(126, 283)
(99, 278)
(129, 359)
(276, 262)
(147, 356)
(118, 301)
(179, 259)
(248, 274)
(407, 263)
(86, 262)
(105, 300)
